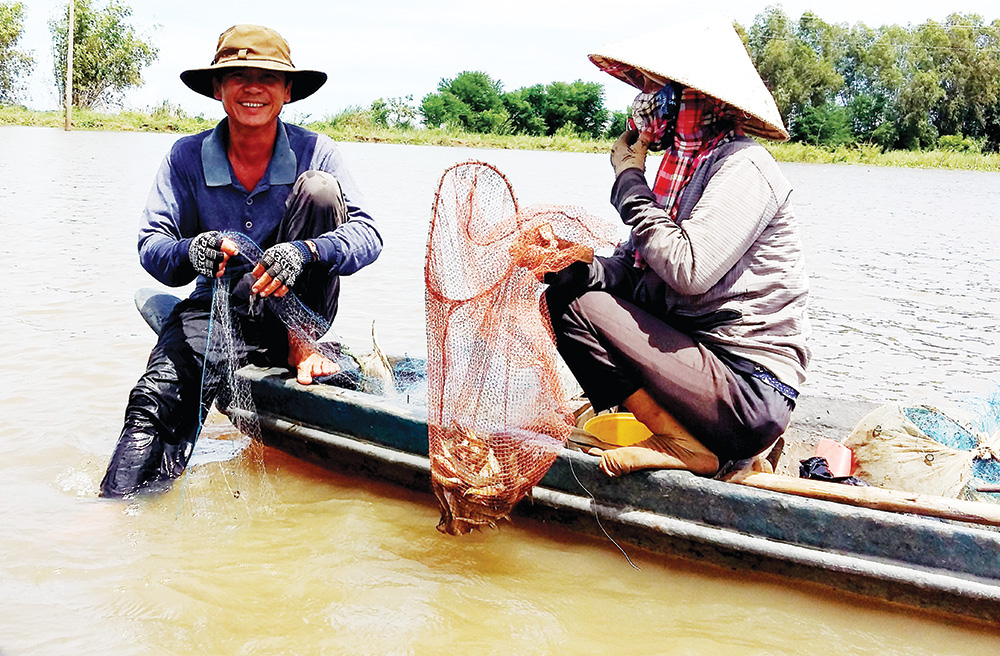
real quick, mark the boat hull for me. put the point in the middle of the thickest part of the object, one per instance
(915, 561)
(919, 562)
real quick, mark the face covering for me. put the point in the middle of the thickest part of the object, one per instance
(657, 112)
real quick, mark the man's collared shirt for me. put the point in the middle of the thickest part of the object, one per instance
(196, 191)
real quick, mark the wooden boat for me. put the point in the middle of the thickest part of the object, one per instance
(920, 562)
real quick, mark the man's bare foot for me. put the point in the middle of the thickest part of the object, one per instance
(308, 363)
(659, 452)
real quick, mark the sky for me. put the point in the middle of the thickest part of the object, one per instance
(398, 48)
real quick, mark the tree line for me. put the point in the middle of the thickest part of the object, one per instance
(109, 54)
(936, 84)
(475, 102)
(933, 85)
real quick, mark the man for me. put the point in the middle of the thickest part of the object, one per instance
(285, 188)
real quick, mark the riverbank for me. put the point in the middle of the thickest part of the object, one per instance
(355, 127)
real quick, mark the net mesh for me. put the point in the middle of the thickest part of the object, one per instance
(497, 412)
(239, 455)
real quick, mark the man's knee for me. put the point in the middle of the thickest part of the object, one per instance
(157, 390)
(320, 189)
(167, 397)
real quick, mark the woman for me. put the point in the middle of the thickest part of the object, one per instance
(697, 324)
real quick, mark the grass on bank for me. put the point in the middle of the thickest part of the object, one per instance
(159, 120)
(356, 125)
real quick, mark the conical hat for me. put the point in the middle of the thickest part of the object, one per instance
(707, 55)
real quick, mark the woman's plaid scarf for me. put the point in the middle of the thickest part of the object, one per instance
(656, 114)
(702, 124)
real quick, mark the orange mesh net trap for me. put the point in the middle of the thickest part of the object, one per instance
(497, 411)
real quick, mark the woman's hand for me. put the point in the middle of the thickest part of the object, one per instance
(629, 152)
(539, 250)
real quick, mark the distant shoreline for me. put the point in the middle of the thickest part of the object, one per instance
(783, 152)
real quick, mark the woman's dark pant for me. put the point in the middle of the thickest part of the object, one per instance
(614, 348)
(168, 404)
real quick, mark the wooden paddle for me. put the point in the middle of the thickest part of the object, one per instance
(875, 497)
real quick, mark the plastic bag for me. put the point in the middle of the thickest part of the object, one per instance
(892, 451)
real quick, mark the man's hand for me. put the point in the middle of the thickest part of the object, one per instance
(279, 268)
(629, 152)
(209, 253)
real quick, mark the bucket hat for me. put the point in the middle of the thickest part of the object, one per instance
(253, 46)
(708, 56)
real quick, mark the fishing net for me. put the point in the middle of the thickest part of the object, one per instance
(497, 412)
(239, 455)
(236, 455)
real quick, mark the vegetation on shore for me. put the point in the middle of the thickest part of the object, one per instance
(924, 95)
(356, 125)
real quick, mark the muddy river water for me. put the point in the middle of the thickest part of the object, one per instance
(906, 292)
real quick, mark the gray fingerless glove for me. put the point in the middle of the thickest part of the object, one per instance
(284, 262)
(205, 254)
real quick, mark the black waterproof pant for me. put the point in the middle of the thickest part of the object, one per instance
(170, 401)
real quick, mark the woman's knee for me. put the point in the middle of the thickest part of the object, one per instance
(763, 426)
(568, 308)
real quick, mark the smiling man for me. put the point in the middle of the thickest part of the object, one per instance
(282, 186)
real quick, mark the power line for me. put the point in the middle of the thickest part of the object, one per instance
(976, 31)
(893, 45)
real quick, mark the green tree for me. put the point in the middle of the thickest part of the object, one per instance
(558, 106)
(873, 65)
(108, 53)
(991, 127)
(900, 87)
(475, 102)
(471, 101)
(432, 110)
(916, 100)
(866, 113)
(14, 64)
(823, 125)
(579, 105)
(618, 124)
(525, 115)
(795, 61)
(963, 52)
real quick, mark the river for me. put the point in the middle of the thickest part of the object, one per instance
(906, 291)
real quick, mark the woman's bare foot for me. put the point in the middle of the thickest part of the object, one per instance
(670, 447)
(659, 452)
(307, 362)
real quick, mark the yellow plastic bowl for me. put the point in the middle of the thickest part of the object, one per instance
(621, 428)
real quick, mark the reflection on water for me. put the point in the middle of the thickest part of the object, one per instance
(305, 561)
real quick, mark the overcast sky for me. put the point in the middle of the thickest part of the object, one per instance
(396, 48)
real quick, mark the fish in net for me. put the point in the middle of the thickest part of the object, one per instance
(497, 411)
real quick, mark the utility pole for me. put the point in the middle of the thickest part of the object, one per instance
(69, 66)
